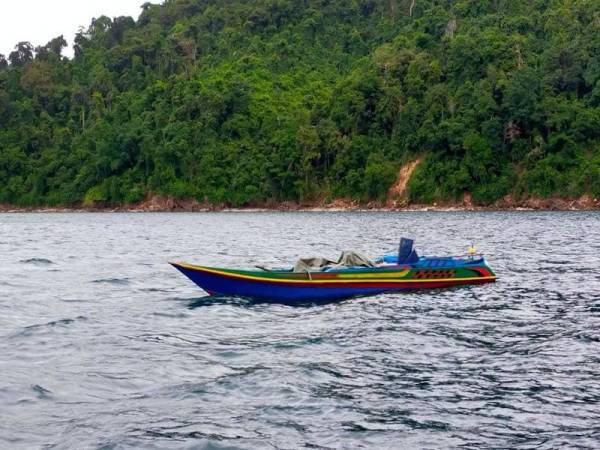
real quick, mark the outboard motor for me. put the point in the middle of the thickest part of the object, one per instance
(406, 253)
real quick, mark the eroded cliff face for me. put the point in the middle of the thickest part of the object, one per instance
(398, 193)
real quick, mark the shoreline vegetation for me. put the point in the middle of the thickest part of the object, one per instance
(163, 204)
(281, 104)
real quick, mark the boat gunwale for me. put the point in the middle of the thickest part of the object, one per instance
(255, 276)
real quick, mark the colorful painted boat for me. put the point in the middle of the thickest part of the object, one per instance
(332, 284)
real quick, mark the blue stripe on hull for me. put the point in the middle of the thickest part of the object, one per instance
(215, 284)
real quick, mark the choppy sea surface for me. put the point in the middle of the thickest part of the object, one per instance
(104, 346)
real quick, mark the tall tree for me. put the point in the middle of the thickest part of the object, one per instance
(23, 53)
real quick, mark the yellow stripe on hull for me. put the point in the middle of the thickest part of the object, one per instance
(379, 276)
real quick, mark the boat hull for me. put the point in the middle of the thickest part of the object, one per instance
(288, 286)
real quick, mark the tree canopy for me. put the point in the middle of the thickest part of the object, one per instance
(240, 103)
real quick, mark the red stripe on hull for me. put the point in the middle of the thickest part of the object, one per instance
(408, 284)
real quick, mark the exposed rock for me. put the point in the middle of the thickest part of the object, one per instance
(342, 204)
(158, 203)
(468, 200)
(586, 202)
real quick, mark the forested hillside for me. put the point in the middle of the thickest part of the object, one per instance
(238, 102)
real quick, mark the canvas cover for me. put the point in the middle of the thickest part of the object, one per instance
(346, 259)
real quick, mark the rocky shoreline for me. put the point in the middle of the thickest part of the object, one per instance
(167, 204)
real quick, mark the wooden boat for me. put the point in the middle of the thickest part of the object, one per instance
(339, 283)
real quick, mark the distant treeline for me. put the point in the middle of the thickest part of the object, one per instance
(239, 102)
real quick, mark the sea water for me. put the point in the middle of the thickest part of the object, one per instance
(104, 345)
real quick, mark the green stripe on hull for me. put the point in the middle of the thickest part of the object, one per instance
(373, 274)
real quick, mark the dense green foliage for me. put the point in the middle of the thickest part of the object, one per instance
(245, 102)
